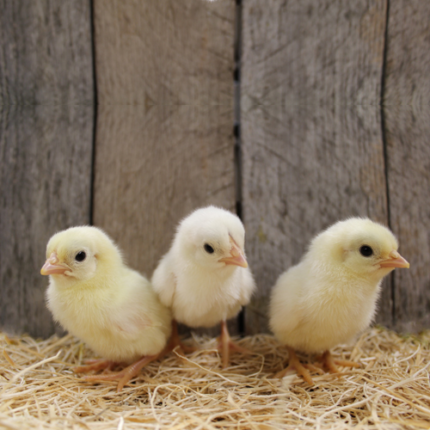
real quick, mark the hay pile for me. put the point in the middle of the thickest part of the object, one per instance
(38, 389)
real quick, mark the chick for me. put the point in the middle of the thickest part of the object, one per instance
(204, 278)
(331, 295)
(96, 297)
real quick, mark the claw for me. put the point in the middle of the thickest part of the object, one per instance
(294, 363)
(327, 362)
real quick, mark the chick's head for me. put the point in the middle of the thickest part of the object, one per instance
(364, 247)
(213, 238)
(78, 254)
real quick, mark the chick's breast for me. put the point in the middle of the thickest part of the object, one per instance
(313, 311)
(209, 300)
(120, 322)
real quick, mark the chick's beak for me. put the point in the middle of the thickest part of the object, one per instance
(53, 267)
(394, 260)
(236, 256)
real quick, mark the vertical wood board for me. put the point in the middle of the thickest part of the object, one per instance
(155, 167)
(307, 52)
(46, 130)
(45, 182)
(164, 52)
(46, 52)
(311, 130)
(164, 144)
(407, 113)
(408, 59)
(408, 154)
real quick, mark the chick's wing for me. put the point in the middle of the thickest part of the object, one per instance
(164, 282)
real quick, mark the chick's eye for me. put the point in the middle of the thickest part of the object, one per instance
(366, 251)
(80, 256)
(208, 248)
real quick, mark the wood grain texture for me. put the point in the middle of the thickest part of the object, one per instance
(45, 183)
(408, 62)
(164, 52)
(407, 113)
(45, 150)
(408, 154)
(153, 168)
(311, 130)
(164, 144)
(307, 52)
(46, 52)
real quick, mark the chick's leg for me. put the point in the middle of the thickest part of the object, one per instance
(226, 345)
(294, 363)
(125, 375)
(175, 341)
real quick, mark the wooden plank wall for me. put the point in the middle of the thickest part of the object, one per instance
(310, 90)
(164, 141)
(316, 144)
(46, 133)
(407, 125)
(318, 147)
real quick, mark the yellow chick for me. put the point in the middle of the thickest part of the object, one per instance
(204, 278)
(96, 297)
(330, 296)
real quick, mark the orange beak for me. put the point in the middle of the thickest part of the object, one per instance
(53, 267)
(395, 260)
(236, 256)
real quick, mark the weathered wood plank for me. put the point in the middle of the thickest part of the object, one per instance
(45, 186)
(46, 52)
(45, 151)
(407, 113)
(408, 154)
(164, 52)
(153, 168)
(307, 52)
(408, 62)
(311, 130)
(164, 142)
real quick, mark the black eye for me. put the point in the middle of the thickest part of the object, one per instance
(80, 256)
(366, 251)
(208, 248)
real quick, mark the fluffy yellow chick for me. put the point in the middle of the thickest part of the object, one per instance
(96, 297)
(204, 278)
(331, 295)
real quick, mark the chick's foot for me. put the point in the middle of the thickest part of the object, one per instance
(125, 375)
(331, 364)
(301, 368)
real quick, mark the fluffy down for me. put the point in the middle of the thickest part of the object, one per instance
(100, 300)
(204, 277)
(331, 295)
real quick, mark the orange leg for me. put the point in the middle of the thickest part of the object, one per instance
(225, 345)
(125, 375)
(175, 341)
(294, 363)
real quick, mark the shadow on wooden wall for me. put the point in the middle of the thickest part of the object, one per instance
(123, 115)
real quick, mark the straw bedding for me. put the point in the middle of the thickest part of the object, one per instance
(39, 389)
